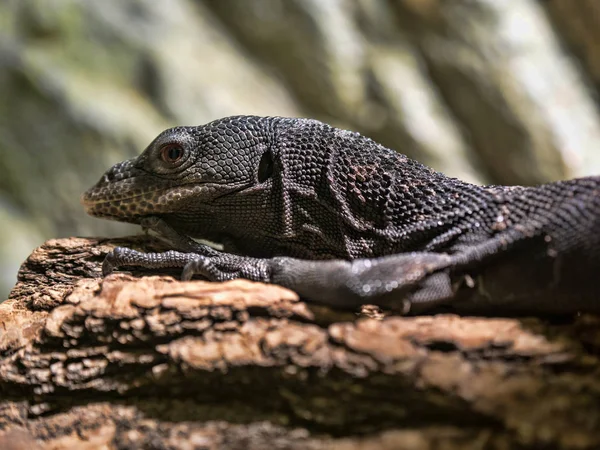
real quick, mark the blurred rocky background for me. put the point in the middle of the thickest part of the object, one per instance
(485, 90)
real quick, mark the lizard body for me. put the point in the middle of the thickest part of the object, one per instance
(343, 220)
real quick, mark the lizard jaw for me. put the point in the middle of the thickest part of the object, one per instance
(131, 204)
(126, 201)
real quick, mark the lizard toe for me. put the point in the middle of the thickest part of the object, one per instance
(199, 265)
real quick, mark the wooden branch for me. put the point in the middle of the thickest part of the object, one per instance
(139, 360)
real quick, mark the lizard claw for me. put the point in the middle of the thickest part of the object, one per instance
(192, 268)
(201, 265)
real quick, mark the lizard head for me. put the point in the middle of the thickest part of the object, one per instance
(184, 168)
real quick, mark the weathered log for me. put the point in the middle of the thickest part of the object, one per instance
(138, 360)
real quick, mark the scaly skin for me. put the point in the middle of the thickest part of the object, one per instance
(344, 221)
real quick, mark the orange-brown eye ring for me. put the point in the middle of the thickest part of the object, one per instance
(171, 153)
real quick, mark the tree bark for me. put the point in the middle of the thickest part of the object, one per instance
(137, 360)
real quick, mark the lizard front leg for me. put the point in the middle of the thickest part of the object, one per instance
(405, 282)
(188, 250)
(193, 257)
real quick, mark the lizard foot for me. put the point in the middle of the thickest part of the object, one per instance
(126, 257)
(216, 266)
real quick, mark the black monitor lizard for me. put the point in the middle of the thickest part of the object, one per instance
(344, 221)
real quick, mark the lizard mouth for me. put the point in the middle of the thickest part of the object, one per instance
(127, 201)
(123, 201)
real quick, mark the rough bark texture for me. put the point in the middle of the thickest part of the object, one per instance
(136, 361)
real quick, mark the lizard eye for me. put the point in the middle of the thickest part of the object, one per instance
(171, 153)
(265, 167)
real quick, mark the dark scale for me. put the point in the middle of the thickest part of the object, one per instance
(365, 223)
